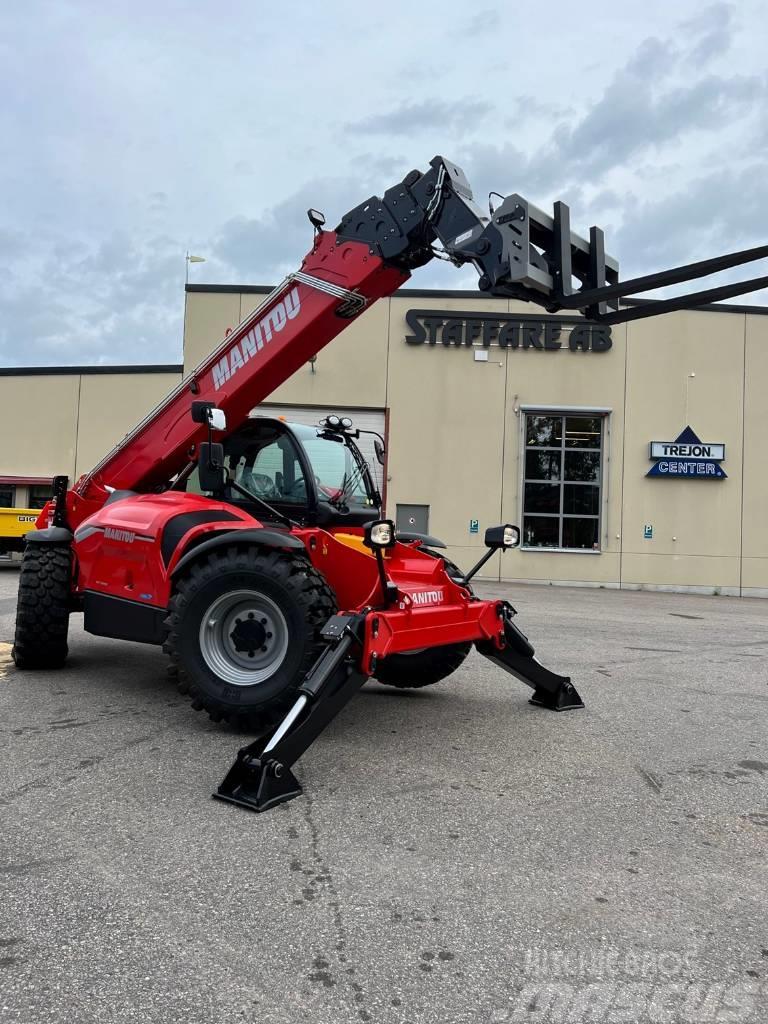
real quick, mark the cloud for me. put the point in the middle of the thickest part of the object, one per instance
(266, 247)
(109, 176)
(709, 33)
(118, 301)
(487, 20)
(727, 203)
(411, 118)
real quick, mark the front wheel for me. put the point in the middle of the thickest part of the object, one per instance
(415, 669)
(244, 630)
(42, 611)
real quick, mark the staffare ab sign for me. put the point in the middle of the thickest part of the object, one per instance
(687, 456)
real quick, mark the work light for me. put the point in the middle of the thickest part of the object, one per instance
(505, 536)
(333, 422)
(346, 422)
(380, 534)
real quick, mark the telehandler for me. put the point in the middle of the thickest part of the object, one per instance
(255, 551)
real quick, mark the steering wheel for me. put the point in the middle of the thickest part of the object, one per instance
(262, 485)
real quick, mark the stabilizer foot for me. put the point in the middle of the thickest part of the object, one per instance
(566, 698)
(261, 776)
(257, 783)
(550, 690)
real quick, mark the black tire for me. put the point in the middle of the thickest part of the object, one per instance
(421, 668)
(424, 668)
(42, 612)
(295, 592)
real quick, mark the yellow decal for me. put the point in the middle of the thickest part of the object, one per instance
(5, 659)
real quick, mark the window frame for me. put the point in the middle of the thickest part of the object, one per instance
(563, 412)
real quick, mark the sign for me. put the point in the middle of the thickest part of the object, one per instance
(648, 531)
(687, 456)
(506, 330)
(474, 526)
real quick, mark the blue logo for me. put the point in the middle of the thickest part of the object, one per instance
(687, 456)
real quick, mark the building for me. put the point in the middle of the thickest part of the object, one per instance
(630, 457)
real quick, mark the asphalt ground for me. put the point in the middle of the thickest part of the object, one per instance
(458, 855)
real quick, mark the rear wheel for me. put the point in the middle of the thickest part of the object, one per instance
(243, 631)
(415, 669)
(42, 612)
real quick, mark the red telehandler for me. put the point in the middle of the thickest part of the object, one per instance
(260, 561)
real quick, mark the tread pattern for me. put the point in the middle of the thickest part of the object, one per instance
(424, 668)
(42, 612)
(309, 589)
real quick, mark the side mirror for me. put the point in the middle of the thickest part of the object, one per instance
(217, 419)
(206, 412)
(378, 447)
(199, 411)
(210, 467)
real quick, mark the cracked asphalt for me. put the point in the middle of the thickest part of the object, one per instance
(458, 855)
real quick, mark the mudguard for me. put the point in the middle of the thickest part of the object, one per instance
(259, 535)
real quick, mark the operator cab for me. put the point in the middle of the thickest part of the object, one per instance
(316, 476)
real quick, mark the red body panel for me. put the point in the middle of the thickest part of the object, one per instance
(125, 550)
(119, 550)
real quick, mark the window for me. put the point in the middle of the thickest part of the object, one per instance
(267, 466)
(7, 496)
(39, 494)
(561, 481)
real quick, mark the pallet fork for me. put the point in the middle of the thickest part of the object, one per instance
(262, 777)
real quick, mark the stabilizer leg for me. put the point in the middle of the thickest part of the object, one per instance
(261, 776)
(550, 690)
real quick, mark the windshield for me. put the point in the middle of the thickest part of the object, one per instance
(339, 477)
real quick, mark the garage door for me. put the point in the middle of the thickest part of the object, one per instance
(365, 419)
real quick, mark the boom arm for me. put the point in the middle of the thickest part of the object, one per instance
(518, 251)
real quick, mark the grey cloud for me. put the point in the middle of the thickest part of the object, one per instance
(660, 141)
(487, 20)
(120, 300)
(265, 247)
(691, 224)
(410, 118)
(643, 108)
(709, 33)
(629, 119)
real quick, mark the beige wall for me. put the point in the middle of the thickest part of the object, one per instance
(755, 470)
(64, 423)
(445, 441)
(455, 433)
(39, 425)
(685, 368)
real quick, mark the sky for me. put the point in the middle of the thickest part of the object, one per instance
(131, 134)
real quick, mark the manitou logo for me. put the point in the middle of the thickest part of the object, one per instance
(126, 536)
(427, 597)
(260, 334)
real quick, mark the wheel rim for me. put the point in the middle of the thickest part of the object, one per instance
(243, 637)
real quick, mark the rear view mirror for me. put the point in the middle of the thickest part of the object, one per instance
(210, 467)
(206, 412)
(378, 447)
(217, 418)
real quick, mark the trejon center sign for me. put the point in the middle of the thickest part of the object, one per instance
(687, 456)
(507, 330)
